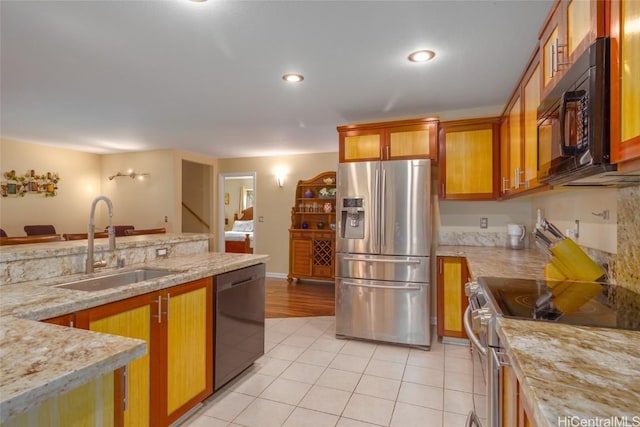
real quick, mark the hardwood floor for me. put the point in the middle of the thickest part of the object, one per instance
(300, 299)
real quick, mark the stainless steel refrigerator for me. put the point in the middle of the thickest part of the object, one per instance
(383, 248)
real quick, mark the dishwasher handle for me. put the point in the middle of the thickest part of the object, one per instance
(241, 282)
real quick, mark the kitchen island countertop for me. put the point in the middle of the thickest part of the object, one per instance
(22, 305)
(565, 371)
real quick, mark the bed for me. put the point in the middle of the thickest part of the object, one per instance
(240, 238)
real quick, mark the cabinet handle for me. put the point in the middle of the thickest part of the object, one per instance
(552, 67)
(168, 301)
(440, 265)
(159, 303)
(505, 184)
(125, 385)
(388, 152)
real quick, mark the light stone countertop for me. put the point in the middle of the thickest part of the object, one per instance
(66, 365)
(564, 370)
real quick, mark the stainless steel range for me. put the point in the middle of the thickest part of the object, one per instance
(575, 303)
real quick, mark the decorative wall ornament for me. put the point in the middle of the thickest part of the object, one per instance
(131, 174)
(13, 185)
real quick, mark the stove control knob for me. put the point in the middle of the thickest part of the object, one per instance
(471, 289)
(480, 318)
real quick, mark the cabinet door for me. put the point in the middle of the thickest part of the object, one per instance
(360, 145)
(515, 145)
(584, 20)
(301, 259)
(129, 318)
(469, 165)
(625, 85)
(551, 41)
(451, 302)
(412, 142)
(188, 315)
(530, 102)
(91, 404)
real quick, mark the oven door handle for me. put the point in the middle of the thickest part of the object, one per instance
(466, 320)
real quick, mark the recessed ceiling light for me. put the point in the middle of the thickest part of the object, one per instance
(421, 55)
(293, 78)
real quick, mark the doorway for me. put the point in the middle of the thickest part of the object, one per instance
(197, 203)
(236, 195)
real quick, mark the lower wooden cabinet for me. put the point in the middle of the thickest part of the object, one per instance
(451, 301)
(515, 409)
(177, 371)
(311, 254)
(91, 404)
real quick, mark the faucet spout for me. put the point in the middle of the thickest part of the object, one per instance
(90, 235)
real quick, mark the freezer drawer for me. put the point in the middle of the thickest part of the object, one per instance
(377, 267)
(383, 311)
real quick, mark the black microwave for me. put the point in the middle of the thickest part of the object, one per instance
(573, 122)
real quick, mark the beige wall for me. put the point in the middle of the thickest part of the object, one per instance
(84, 176)
(197, 195)
(79, 184)
(273, 204)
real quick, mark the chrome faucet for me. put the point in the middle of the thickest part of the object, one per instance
(91, 264)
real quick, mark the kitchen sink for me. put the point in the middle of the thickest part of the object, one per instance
(115, 280)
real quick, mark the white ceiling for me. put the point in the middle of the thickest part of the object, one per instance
(117, 76)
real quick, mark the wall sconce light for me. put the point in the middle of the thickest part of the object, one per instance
(280, 180)
(131, 174)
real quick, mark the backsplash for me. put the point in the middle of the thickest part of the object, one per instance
(49, 260)
(628, 259)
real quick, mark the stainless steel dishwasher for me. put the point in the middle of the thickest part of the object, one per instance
(239, 322)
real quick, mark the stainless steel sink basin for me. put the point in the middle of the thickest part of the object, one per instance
(115, 280)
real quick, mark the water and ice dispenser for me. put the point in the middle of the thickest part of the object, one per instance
(352, 218)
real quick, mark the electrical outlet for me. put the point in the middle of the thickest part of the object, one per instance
(484, 222)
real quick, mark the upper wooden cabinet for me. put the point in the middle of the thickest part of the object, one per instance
(625, 85)
(519, 134)
(406, 139)
(572, 26)
(468, 159)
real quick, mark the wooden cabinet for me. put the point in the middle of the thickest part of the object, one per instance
(311, 236)
(177, 371)
(572, 26)
(407, 139)
(468, 159)
(515, 409)
(451, 300)
(625, 85)
(519, 135)
(91, 404)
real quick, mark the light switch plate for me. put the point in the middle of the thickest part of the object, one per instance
(484, 222)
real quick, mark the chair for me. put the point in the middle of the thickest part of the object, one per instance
(83, 236)
(39, 230)
(22, 240)
(2, 233)
(120, 229)
(147, 231)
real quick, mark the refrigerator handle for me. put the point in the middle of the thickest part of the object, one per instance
(383, 213)
(395, 288)
(374, 208)
(385, 260)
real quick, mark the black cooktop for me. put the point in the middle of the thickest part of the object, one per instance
(576, 303)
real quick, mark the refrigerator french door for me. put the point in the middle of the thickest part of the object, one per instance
(383, 247)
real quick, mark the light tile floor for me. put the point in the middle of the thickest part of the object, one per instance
(307, 377)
